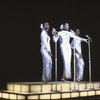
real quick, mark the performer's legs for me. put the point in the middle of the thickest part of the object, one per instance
(50, 69)
(47, 67)
(67, 70)
(80, 69)
(66, 55)
(44, 69)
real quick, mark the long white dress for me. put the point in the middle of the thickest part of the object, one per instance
(47, 61)
(65, 47)
(79, 62)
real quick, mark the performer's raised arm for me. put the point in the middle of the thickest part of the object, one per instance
(72, 34)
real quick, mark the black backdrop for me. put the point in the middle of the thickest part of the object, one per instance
(20, 35)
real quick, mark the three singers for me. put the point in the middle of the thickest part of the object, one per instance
(65, 47)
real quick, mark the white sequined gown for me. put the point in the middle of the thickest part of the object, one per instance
(46, 58)
(79, 62)
(65, 47)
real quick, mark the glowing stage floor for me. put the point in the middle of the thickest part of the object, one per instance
(50, 90)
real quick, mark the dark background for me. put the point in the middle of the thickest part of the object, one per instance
(20, 35)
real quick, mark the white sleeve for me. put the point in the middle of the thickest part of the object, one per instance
(77, 37)
(74, 36)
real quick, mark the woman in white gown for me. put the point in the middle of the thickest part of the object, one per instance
(46, 52)
(79, 62)
(65, 47)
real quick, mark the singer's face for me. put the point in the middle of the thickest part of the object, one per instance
(66, 26)
(77, 32)
(46, 25)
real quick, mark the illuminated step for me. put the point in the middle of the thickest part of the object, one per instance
(36, 87)
(48, 96)
(96, 85)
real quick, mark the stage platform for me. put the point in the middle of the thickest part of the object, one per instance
(50, 91)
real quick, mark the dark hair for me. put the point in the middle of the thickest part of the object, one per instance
(77, 29)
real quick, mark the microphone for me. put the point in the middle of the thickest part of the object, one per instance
(88, 37)
(55, 35)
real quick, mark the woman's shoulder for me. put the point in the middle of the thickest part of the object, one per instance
(60, 32)
(43, 32)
